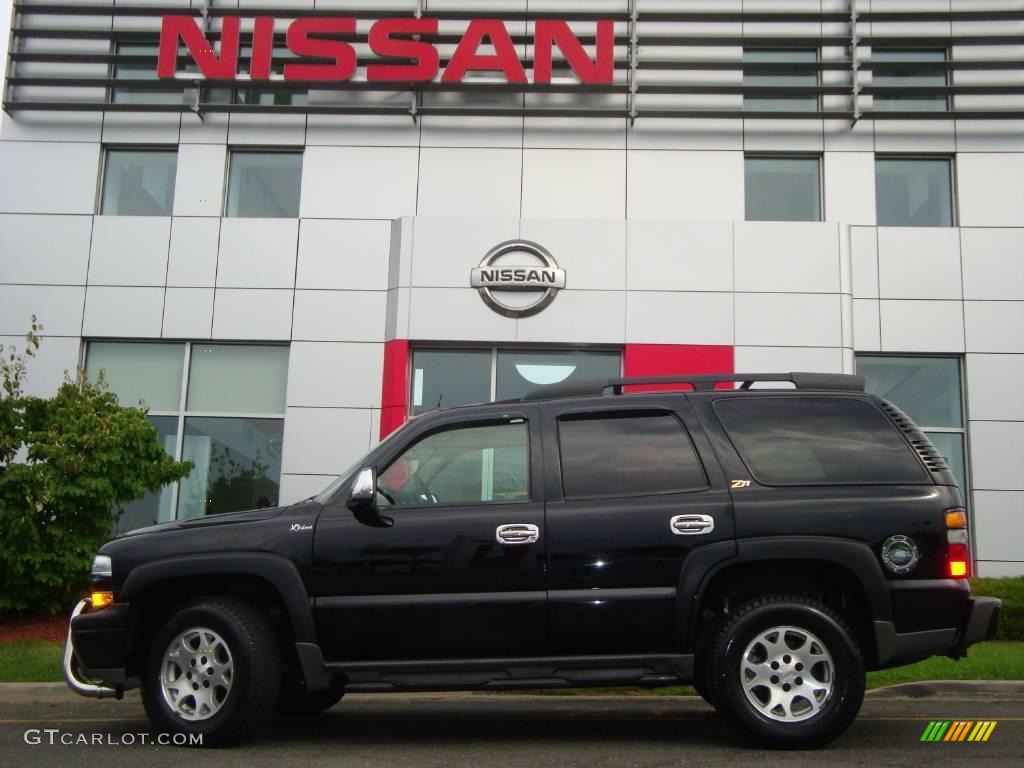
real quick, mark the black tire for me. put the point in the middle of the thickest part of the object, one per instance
(255, 677)
(801, 723)
(303, 703)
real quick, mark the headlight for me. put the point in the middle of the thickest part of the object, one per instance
(102, 567)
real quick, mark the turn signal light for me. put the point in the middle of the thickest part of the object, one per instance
(956, 518)
(958, 560)
(101, 599)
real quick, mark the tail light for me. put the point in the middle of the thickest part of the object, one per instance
(958, 551)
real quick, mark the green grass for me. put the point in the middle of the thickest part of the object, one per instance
(995, 660)
(1011, 592)
(31, 662)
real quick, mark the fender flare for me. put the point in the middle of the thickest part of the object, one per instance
(701, 567)
(278, 571)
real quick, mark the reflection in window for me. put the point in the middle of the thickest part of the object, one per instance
(138, 62)
(781, 76)
(139, 372)
(267, 96)
(238, 465)
(913, 71)
(445, 378)
(153, 507)
(914, 192)
(929, 391)
(817, 441)
(264, 184)
(449, 377)
(139, 182)
(519, 373)
(237, 378)
(461, 466)
(238, 458)
(783, 188)
(627, 455)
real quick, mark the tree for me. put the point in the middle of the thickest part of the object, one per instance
(67, 464)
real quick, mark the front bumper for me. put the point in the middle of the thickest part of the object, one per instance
(980, 623)
(94, 652)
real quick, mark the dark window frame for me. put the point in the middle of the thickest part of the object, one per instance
(925, 478)
(620, 412)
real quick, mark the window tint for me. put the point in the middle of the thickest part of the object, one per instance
(627, 455)
(265, 184)
(139, 182)
(782, 77)
(907, 68)
(444, 378)
(237, 378)
(139, 372)
(925, 388)
(783, 189)
(817, 441)
(913, 192)
(461, 466)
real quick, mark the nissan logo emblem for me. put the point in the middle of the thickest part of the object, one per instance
(507, 267)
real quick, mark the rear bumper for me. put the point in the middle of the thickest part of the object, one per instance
(980, 623)
(94, 653)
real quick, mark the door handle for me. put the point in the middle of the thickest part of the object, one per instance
(692, 525)
(517, 533)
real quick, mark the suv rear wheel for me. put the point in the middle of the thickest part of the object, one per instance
(787, 672)
(213, 670)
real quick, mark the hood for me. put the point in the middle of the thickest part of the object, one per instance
(248, 516)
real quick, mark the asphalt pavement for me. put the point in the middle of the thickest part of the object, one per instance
(46, 726)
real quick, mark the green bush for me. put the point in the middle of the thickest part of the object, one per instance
(67, 464)
(1011, 592)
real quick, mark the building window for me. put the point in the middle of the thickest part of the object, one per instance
(898, 68)
(930, 391)
(783, 188)
(443, 378)
(220, 406)
(264, 184)
(138, 182)
(914, 191)
(137, 61)
(793, 67)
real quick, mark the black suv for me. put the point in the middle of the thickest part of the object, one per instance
(767, 545)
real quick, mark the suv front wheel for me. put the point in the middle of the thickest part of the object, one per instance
(787, 672)
(213, 671)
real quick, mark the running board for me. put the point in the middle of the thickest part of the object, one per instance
(517, 673)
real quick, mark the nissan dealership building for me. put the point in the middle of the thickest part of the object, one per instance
(288, 227)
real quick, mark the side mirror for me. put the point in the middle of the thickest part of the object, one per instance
(362, 500)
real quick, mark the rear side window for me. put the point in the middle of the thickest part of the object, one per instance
(627, 455)
(817, 441)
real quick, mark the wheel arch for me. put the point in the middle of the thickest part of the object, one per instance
(270, 583)
(843, 573)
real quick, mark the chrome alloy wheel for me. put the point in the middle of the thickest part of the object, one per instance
(787, 674)
(196, 674)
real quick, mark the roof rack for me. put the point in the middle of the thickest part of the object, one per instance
(844, 382)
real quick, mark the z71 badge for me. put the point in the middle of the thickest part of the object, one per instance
(740, 484)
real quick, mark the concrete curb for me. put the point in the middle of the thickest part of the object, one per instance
(952, 689)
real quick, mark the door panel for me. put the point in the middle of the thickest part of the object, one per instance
(614, 563)
(437, 583)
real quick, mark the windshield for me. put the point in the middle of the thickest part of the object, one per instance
(330, 490)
